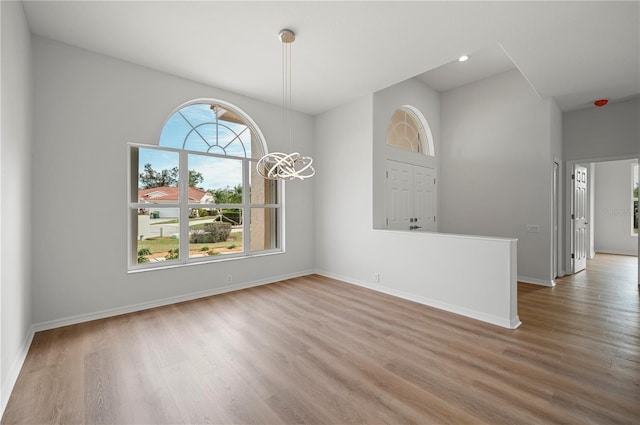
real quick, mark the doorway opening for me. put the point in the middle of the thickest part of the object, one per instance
(601, 211)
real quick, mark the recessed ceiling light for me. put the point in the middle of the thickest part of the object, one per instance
(463, 58)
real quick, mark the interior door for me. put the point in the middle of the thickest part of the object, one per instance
(424, 198)
(399, 195)
(579, 217)
(411, 197)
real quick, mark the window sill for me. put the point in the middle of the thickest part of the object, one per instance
(141, 269)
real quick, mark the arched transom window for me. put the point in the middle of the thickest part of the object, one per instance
(196, 196)
(409, 130)
(212, 128)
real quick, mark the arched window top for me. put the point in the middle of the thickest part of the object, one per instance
(215, 127)
(409, 130)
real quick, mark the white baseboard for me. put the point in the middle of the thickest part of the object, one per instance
(615, 252)
(535, 281)
(72, 320)
(513, 323)
(14, 371)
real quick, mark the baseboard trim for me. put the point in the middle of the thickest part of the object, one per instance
(615, 252)
(81, 318)
(14, 371)
(512, 323)
(534, 281)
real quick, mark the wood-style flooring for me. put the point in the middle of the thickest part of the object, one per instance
(316, 350)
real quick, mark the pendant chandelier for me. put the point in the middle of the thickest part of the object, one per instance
(278, 165)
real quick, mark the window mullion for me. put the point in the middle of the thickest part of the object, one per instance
(246, 211)
(281, 217)
(183, 184)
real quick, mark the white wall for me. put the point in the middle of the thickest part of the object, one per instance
(591, 200)
(610, 132)
(88, 106)
(15, 194)
(498, 145)
(613, 208)
(555, 134)
(411, 92)
(467, 275)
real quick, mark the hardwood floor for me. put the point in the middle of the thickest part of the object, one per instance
(315, 350)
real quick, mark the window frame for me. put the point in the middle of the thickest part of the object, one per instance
(277, 232)
(635, 170)
(425, 137)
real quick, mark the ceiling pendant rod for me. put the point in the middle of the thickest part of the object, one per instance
(278, 165)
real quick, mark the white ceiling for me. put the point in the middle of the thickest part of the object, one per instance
(481, 64)
(575, 51)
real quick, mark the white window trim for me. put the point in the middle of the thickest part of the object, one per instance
(183, 205)
(633, 199)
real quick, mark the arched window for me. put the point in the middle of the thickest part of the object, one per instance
(409, 130)
(212, 127)
(196, 196)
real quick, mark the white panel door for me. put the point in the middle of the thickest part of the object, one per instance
(424, 198)
(399, 194)
(411, 197)
(580, 207)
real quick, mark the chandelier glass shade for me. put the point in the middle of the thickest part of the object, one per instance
(278, 165)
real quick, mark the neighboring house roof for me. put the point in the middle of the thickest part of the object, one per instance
(170, 193)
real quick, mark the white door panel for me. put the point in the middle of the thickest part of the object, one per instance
(410, 199)
(424, 184)
(399, 182)
(580, 206)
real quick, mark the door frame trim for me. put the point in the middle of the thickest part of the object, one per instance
(556, 219)
(568, 234)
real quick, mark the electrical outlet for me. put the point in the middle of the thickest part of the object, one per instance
(229, 278)
(376, 277)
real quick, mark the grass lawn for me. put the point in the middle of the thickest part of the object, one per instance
(160, 247)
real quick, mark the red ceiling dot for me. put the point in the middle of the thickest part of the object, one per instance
(601, 102)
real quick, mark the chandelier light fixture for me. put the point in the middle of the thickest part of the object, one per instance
(278, 165)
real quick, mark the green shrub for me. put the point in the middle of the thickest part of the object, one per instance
(142, 260)
(173, 254)
(204, 248)
(206, 212)
(211, 233)
(200, 236)
(219, 231)
(232, 246)
(143, 251)
(232, 216)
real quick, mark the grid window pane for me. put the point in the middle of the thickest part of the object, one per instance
(216, 234)
(221, 178)
(158, 176)
(262, 191)
(264, 229)
(158, 235)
